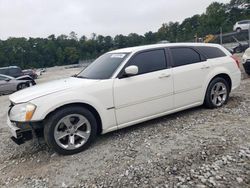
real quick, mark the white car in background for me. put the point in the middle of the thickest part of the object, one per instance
(122, 88)
(241, 25)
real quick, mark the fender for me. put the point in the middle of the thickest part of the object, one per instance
(71, 96)
(211, 75)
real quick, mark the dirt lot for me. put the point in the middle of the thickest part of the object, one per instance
(194, 148)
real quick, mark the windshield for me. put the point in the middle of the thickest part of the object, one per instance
(103, 67)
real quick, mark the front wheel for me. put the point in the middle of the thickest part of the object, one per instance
(70, 130)
(217, 93)
(238, 30)
(22, 86)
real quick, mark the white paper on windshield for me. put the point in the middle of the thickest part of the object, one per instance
(118, 55)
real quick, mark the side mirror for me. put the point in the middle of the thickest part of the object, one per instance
(7, 79)
(131, 70)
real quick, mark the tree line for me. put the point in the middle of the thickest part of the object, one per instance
(69, 49)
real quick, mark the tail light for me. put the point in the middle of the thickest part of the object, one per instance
(236, 60)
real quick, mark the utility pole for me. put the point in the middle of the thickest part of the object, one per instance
(221, 36)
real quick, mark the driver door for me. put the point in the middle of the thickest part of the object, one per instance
(146, 94)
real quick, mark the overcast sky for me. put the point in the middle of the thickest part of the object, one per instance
(40, 18)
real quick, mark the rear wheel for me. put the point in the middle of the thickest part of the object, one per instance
(217, 93)
(70, 130)
(238, 49)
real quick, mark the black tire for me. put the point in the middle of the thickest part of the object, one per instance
(238, 49)
(54, 118)
(22, 86)
(208, 97)
(247, 70)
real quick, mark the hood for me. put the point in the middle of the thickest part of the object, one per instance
(27, 77)
(49, 88)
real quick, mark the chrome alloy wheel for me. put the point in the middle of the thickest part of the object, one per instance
(219, 94)
(72, 131)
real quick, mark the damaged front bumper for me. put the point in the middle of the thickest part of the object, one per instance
(22, 132)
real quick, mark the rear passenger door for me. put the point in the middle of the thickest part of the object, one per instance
(189, 73)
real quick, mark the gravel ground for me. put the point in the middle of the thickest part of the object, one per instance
(193, 148)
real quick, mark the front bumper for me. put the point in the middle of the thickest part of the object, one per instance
(246, 66)
(19, 132)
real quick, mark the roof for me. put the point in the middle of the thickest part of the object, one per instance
(6, 76)
(152, 46)
(243, 20)
(9, 67)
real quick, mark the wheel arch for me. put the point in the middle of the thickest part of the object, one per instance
(226, 77)
(20, 83)
(80, 104)
(221, 75)
(238, 28)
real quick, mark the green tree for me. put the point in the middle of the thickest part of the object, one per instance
(71, 55)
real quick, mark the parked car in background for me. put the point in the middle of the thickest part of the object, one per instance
(31, 73)
(241, 25)
(10, 84)
(246, 61)
(40, 71)
(13, 71)
(122, 88)
(16, 72)
(241, 47)
(43, 70)
(27, 77)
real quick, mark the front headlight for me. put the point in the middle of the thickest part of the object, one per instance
(22, 112)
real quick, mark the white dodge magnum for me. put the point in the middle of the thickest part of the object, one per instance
(122, 88)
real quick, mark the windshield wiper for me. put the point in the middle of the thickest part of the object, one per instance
(80, 76)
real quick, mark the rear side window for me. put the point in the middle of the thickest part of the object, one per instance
(184, 56)
(149, 61)
(211, 52)
(2, 78)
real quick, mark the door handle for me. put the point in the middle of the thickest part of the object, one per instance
(164, 76)
(205, 67)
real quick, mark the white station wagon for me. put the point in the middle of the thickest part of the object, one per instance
(122, 88)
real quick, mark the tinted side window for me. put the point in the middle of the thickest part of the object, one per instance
(2, 78)
(244, 22)
(149, 61)
(3, 71)
(14, 71)
(211, 52)
(184, 56)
